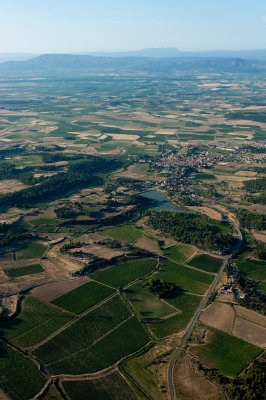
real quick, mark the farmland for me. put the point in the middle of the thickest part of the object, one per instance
(86, 330)
(206, 263)
(122, 274)
(22, 271)
(190, 280)
(17, 371)
(36, 321)
(82, 298)
(95, 275)
(112, 386)
(236, 353)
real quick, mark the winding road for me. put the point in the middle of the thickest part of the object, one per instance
(177, 352)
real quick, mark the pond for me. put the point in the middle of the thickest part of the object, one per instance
(162, 202)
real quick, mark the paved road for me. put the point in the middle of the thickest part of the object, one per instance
(195, 318)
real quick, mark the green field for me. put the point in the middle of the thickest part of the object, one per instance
(206, 263)
(82, 298)
(180, 253)
(121, 342)
(125, 233)
(227, 353)
(110, 387)
(86, 330)
(188, 279)
(20, 377)
(122, 274)
(187, 304)
(22, 271)
(255, 270)
(147, 305)
(36, 321)
(31, 250)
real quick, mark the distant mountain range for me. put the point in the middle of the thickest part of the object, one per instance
(172, 52)
(149, 61)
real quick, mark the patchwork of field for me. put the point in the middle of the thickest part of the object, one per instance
(83, 297)
(36, 321)
(51, 291)
(180, 253)
(101, 339)
(238, 321)
(189, 279)
(225, 352)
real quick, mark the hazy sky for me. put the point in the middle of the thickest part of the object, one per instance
(87, 25)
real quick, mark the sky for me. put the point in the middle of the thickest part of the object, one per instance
(60, 26)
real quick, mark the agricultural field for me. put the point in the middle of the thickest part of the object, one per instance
(121, 274)
(127, 234)
(111, 387)
(87, 329)
(22, 271)
(206, 263)
(121, 195)
(188, 279)
(83, 297)
(113, 347)
(225, 352)
(36, 321)
(180, 253)
(20, 377)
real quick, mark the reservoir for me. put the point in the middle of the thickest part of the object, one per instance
(162, 202)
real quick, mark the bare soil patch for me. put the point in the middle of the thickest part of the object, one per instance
(214, 214)
(148, 244)
(260, 235)
(250, 332)
(11, 185)
(250, 315)
(190, 385)
(52, 290)
(100, 251)
(220, 316)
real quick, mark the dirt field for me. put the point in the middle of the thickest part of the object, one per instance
(260, 235)
(250, 332)
(149, 245)
(220, 316)
(11, 185)
(51, 291)
(214, 214)
(100, 251)
(238, 321)
(190, 385)
(250, 315)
